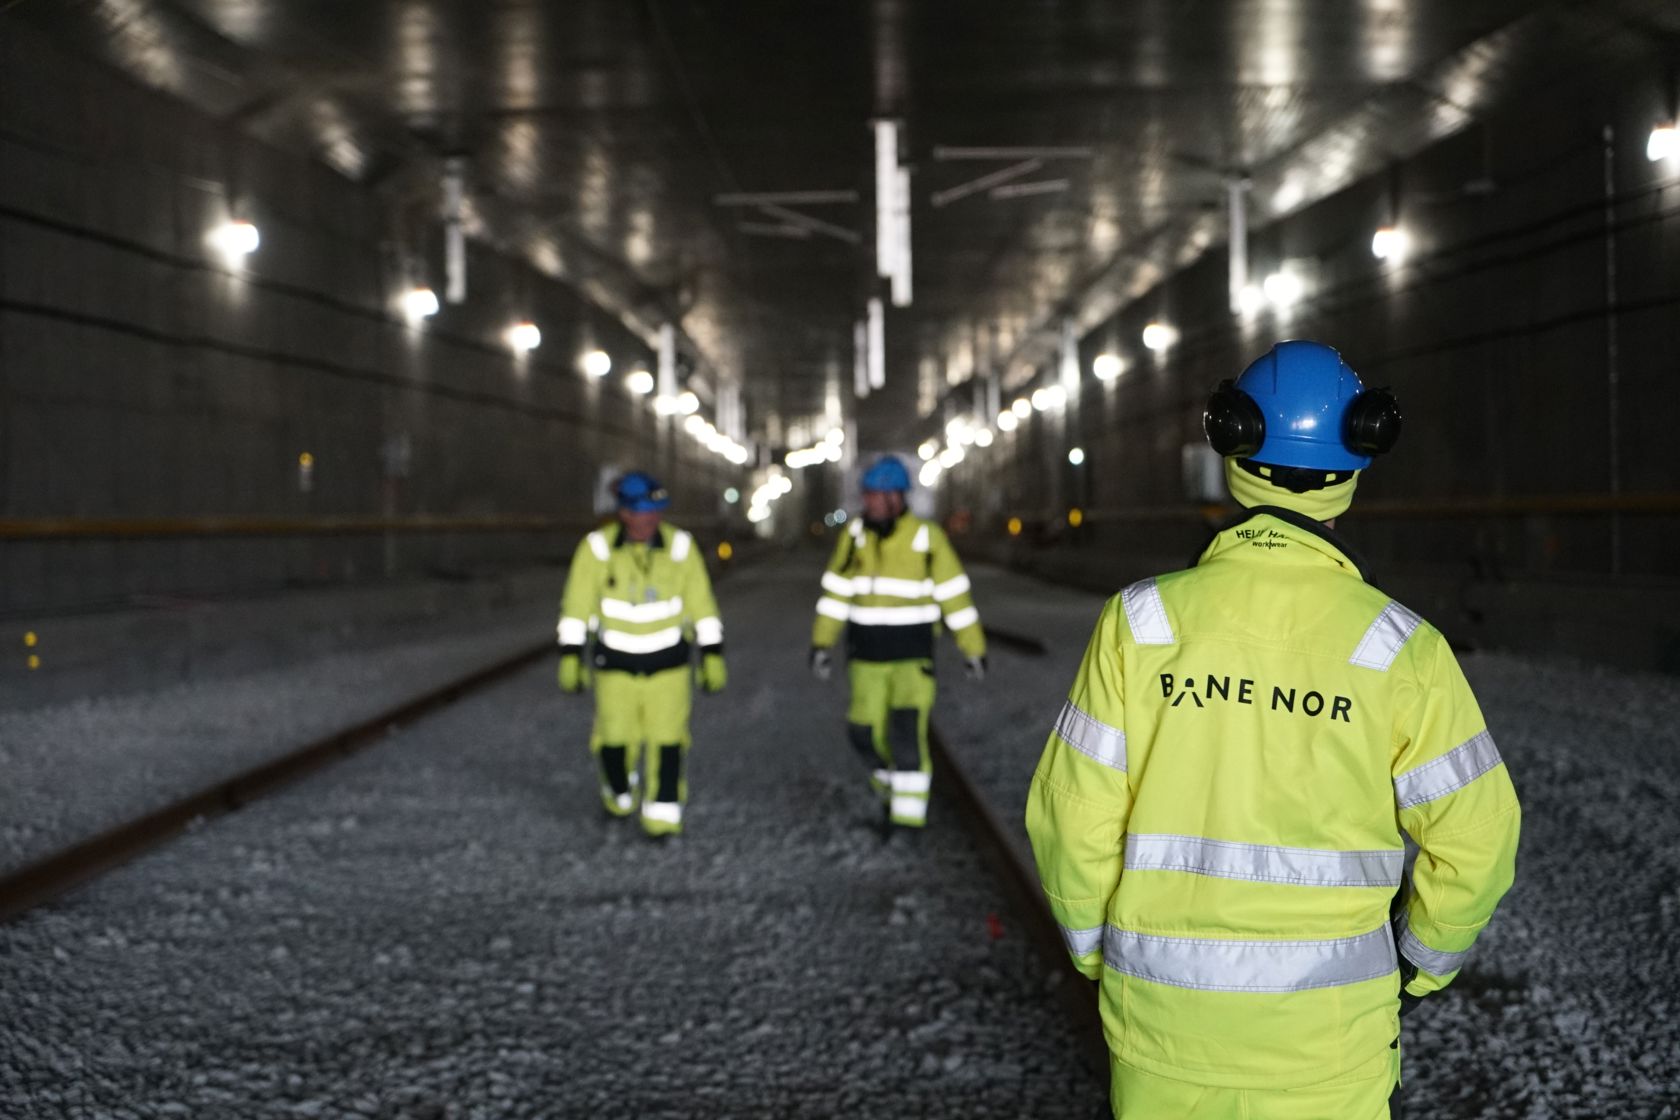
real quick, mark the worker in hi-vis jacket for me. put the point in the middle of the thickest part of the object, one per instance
(1219, 816)
(642, 590)
(893, 579)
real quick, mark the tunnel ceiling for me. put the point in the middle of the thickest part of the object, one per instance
(598, 136)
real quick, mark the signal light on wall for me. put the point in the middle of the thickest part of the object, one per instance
(419, 303)
(524, 337)
(1076, 455)
(1664, 142)
(235, 240)
(1390, 243)
(1159, 336)
(597, 363)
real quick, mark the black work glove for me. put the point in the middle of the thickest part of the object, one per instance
(822, 662)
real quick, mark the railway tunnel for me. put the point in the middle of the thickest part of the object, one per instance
(329, 335)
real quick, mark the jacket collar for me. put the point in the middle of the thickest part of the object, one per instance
(1315, 536)
(655, 541)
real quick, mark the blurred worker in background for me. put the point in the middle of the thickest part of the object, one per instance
(891, 581)
(1218, 816)
(642, 588)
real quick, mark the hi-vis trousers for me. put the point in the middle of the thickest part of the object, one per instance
(887, 722)
(633, 710)
(1368, 1093)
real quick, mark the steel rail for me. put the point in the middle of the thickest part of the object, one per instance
(56, 874)
(1076, 993)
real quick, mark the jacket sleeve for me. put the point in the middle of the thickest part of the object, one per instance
(952, 592)
(1081, 797)
(581, 601)
(835, 604)
(699, 603)
(1454, 797)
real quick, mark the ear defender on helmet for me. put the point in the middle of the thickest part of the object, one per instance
(1232, 422)
(1372, 426)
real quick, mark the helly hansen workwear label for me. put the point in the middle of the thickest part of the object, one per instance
(1199, 690)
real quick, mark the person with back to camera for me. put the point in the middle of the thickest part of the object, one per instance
(642, 588)
(892, 580)
(1218, 816)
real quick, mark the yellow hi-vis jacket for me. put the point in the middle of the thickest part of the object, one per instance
(889, 593)
(1217, 815)
(641, 601)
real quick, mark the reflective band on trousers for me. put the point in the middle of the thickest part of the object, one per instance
(1381, 643)
(1231, 965)
(1146, 613)
(959, 620)
(893, 616)
(911, 781)
(642, 643)
(573, 631)
(951, 588)
(709, 631)
(1447, 774)
(668, 811)
(1082, 941)
(1092, 737)
(623, 610)
(909, 808)
(1430, 960)
(1265, 863)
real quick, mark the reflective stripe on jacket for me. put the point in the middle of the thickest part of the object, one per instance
(1217, 815)
(641, 602)
(887, 594)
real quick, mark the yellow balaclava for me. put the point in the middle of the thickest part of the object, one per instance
(1321, 505)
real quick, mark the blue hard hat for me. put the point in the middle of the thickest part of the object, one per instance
(886, 473)
(640, 492)
(1299, 405)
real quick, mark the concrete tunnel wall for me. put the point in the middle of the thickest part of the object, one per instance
(1532, 329)
(141, 377)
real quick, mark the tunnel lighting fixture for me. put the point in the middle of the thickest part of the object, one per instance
(597, 363)
(1015, 526)
(695, 425)
(235, 240)
(1390, 243)
(419, 303)
(524, 337)
(732, 495)
(725, 550)
(1049, 397)
(639, 382)
(758, 513)
(1007, 420)
(1283, 289)
(929, 473)
(665, 405)
(1107, 366)
(835, 436)
(1663, 143)
(1250, 300)
(950, 457)
(954, 429)
(1076, 517)
(1159, 336)
(983, 438)
(927, 450)
(1076, 455)
(1022, 408)
(687, 403)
